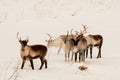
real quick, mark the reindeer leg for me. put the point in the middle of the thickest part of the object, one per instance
(68, 55)
(42, 62)
(86, 52)
(65, 56)
(80, 56)
(72, 56)
(90, 52)
(75, 56)
(45, 63)
(99, 53)
(59, 49)
(23, 62)
(31, 62)
(83, 56)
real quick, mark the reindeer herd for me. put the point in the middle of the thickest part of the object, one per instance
(76, 44)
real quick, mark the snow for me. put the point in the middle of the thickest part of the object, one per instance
(35, 18)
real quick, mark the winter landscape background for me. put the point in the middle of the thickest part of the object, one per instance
(35, 18)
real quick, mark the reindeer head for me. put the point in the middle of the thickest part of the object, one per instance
(49, 41)
(22, 42)
(65, 38)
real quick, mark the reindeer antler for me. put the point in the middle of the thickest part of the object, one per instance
(71, 31)
(19, 38)
(27, 38)
(76, 32)
(49, 35)
(84, 29)
(81, 32)
(67, 33)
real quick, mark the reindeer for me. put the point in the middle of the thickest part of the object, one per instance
(58, 42)
(80, 46)
(30, 52)
(93, 41)
(68, 46)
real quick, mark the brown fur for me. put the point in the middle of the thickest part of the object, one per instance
(99, 42)
(96, 37)
(30, 52)
(81, 46)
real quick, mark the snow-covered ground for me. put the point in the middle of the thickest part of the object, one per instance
(35, 18)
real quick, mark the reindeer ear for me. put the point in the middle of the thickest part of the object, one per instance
(67, 33)
(19, 41)
(46, 40)
(27, 39)
(18, 37)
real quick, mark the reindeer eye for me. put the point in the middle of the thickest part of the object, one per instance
(50, 40)
(20, 41)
